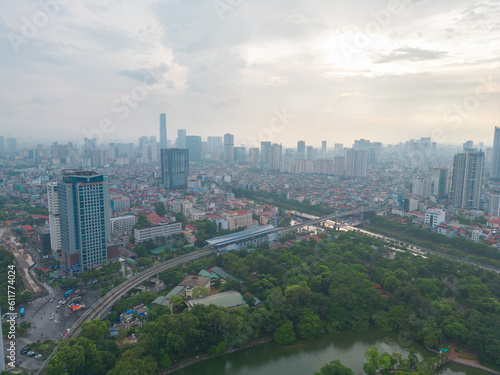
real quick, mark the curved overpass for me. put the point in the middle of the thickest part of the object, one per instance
(96, 310)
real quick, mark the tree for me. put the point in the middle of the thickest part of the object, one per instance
(177, 303)
(160, 209)
(199, 292)
(334, 368)
(95, 330)
(285, 335)
(310, 325)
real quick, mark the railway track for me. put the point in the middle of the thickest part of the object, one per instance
(100, 307)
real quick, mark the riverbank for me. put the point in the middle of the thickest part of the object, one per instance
(204, 357)
(454, 356)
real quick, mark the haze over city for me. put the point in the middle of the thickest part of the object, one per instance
(382, 70)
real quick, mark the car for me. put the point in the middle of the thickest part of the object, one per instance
(63, 302)
(51, 300)
(56, 322)
(24, 350)
(31, 353)
(62, 319)
(38, 356)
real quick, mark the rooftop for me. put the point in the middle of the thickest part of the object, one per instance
(218, 241)
(227, 299)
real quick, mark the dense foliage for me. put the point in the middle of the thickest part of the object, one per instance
(310, 288)
(6, 284)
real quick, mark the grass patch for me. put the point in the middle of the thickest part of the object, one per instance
(464, 356)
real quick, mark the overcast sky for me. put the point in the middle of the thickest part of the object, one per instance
(279, 70)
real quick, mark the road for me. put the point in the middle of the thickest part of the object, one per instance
(102, 305)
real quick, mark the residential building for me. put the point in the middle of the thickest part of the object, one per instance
(157, 231)
(434, 217)
(238, 219)
(495, 165)
(276, 152)
(439, 182)
(175, 168)
(85, 220)
(54, 220)
(467, 179)
(421, 187)
(265, 153)
(181, 138)
(228, 147)
(356, 163)
(301, 150)
(123, 223)
(194, 145)
(494, 203)
(118, 204)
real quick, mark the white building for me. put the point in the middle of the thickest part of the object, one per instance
(194, 214)
(161, 230)
(421, 187)
(476, 235)
(122, 223)
(54, 221)
(434, 217)
(494, 203)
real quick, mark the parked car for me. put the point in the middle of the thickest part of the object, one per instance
(51, 300)
(56, 322)
(38, 356)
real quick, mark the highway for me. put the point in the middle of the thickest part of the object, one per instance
(102, 305)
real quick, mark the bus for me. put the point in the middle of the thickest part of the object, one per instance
(21, 312)
(68, 293)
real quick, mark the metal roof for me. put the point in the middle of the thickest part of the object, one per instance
(218, 241)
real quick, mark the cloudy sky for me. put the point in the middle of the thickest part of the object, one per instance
(279, 70)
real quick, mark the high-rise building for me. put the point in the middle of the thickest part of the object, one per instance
(356, 163)
(228, 147)
(421, 187)
(11, 144)
(323, 149)
(495, 165)
(253, 156)
(339, 166)
(2, 143)
(440, 182)
(265, 153)
(467, 179)
(494, 203)
(301, 150)
(276, 152)
(240, 155)
(181, 138)
(175, 168)
(54, 222)
(194, 145)
(214, 145)
(468, 145)
(84, 213)
(163, 130)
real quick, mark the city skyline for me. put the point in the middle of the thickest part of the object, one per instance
(279, 72)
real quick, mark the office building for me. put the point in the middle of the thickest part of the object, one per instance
(495, 165)
(194, 145)
(118, 204)
(228, 147)
(84, 212)
(175, 168)
(157, 231)
(467, 179)
(434, 217)
(123, 223)
(181, 138)
(356, 163)
(163, 130)
(54, 221)
(214, 145)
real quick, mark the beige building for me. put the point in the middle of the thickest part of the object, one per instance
(238, 219)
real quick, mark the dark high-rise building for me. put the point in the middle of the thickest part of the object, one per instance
(467, 179)
(194, 145)
(228, 147)
(163, 130)
(495, 166)
(175, 168)
(440, 182)
(84, 214)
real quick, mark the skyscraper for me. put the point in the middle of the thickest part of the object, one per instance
(467, 179)
(265, 153)
(495, 165)
(194, 145)
(214, 145)
(181, 138)
(357, 161)
(228, 147)
(54, 221)
(276, 153)
(163, 130)
(175, 168)
(301, 150)
(323, 149)
(2, 143)
(84, 212)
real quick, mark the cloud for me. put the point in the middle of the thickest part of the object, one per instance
(410, 54)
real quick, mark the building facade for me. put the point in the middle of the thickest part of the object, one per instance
(157, 231)
(54, 220)
(85, 220)
(467, 178)
(175, 168)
